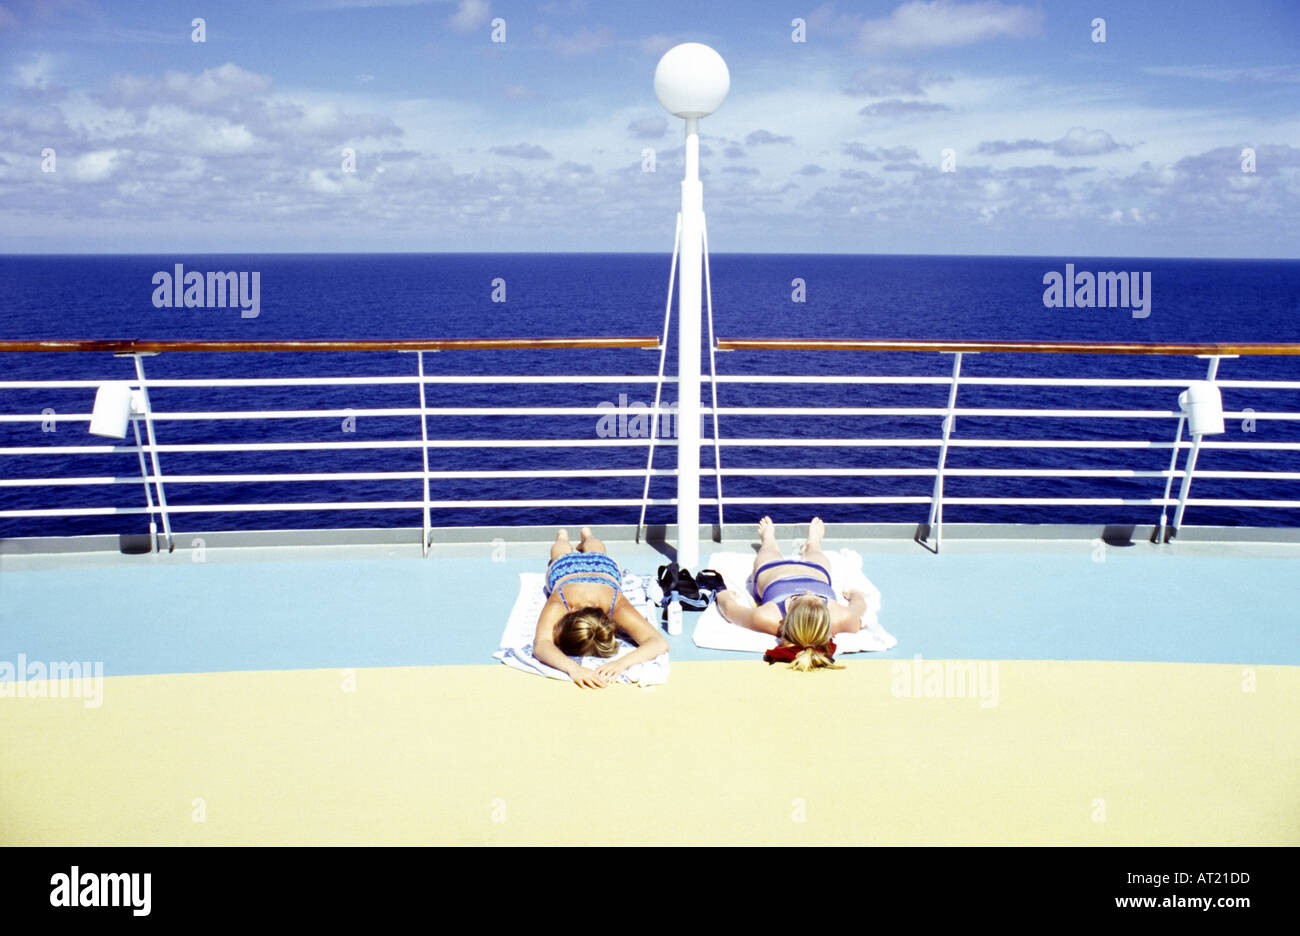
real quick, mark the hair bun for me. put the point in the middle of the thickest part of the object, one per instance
(605, 637)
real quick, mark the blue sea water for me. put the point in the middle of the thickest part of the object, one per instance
(416, 296)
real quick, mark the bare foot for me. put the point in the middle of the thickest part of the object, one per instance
(590, 543)
(767, 531)
(561, 544)
(816, 530)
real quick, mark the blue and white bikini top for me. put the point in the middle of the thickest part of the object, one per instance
(596, 568)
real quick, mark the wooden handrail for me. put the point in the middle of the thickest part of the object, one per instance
(136, 346)
(1052, 347)
(145, 346)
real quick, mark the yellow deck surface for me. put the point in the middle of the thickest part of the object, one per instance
(726, 752)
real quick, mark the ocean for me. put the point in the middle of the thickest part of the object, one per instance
(416, 296)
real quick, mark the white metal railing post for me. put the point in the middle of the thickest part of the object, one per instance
(936, 499)
(1190, 470)
(153, 455)
(144, 473)
(424, 451)
(1169, 480)
(659, 382)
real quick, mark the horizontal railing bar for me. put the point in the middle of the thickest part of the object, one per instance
(1100, 382)
(1002, 443)
(339, 476)
(141, 346)
(213, 415)
(1098, 501)
(1013, 502)
(1218, 502)
(1063, 473)
(1157, 501)
(998, 473)
(215, 382)
(149, 346)
(218, 382)
(513, 504)
(963, 411)
(1010, 501)
(320, 446)
(635, 442)
(620, 502)
(666, 472)
(609, 410)
(1067, 501)
(1048, 347)
(352, 505)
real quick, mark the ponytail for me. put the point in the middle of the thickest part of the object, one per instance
(807, 628)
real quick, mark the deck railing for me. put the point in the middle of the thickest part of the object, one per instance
(154, 481)
(1214, 352)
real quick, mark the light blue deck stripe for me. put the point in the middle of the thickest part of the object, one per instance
(178, 616)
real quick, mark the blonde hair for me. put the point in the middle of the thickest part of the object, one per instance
(587, 632)
(807, 624)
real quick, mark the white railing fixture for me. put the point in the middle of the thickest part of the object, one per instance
(155, 446)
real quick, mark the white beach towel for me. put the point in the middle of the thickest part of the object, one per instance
(717, 633)
(517, 638)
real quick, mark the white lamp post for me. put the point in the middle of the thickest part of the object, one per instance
(691, 81)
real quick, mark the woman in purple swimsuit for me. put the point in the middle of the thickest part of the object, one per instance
(796, 602)
(585, 609)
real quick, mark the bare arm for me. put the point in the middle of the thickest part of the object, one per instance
(545, 650)
(650, 643)
(850, 618)
(752, 618)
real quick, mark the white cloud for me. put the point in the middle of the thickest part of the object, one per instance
(942, 24)
(1263, 74)
(649, 128)
(470, 14)
(170, 152)
(888, 80)
(582, 42)
(96, 166)
(1079, 141)
(37, 74)
(656, 44)
(211, 89)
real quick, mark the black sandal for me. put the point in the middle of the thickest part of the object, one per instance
(710, 582)
(679, 585)
(667, 578)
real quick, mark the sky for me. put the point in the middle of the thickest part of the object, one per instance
(119, 133)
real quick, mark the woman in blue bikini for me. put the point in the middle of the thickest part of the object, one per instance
(585, 609)
(796, 602)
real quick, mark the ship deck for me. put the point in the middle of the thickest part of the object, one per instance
(330, 692)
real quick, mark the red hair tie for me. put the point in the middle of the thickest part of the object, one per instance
(787, 653)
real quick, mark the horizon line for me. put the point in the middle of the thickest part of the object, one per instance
(614, 253)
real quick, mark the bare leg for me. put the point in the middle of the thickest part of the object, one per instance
(561, 545)
(768, 551)
(589, 542)
(812, 549)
